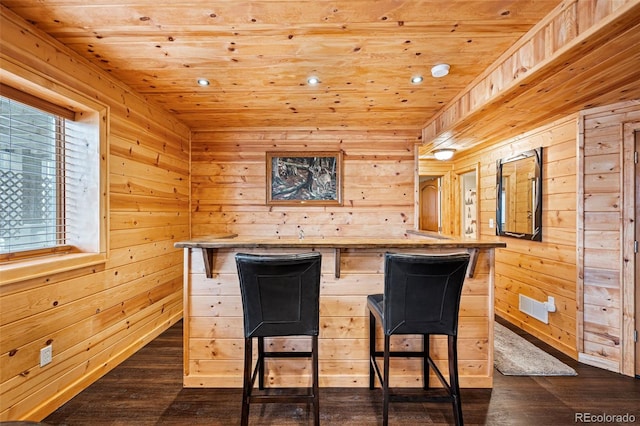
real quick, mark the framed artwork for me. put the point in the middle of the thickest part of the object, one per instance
(304, 178)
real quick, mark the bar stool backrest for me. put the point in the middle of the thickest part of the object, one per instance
(422, 293)
(280, 293)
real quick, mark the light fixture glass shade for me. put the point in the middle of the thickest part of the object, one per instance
(440, 70)
(203, 82)
(416, 79)
(313, 80)
(444, 154)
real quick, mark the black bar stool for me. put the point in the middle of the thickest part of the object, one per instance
(280, 297)
(421, 296)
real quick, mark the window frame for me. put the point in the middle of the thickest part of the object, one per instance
(33, 264)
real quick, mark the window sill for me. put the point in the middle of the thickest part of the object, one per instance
(26, 269)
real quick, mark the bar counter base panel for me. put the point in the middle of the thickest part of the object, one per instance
(213, 325)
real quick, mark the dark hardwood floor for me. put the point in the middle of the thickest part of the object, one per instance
(147, 390)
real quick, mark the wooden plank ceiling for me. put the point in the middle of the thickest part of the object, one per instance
(258, 55)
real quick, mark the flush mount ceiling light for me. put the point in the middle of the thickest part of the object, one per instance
(416, 79)
(444, 154)
(440, 70)
(313, 81)
(203, 82)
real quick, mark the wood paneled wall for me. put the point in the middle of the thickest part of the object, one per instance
(229, 184)
(96, 317)
(606, 234)
(535, 269)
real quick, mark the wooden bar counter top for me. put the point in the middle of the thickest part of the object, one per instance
(352, 268)
(412, 241)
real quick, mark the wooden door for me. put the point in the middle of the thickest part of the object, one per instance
(429, 206)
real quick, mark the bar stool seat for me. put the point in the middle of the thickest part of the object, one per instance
(421, 297)
(280, 297)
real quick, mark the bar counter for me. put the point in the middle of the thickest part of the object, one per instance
(352, 268)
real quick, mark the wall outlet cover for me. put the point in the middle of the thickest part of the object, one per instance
(46, 355)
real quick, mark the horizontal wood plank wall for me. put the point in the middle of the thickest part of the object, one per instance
(603, 236)
(214, 325)
(96, 317)
(229, 184)
(228, 195)
(535, 269)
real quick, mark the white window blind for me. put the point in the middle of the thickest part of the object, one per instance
(38, 162)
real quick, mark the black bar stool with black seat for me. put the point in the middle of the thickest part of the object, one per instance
(421, 297)
(280, 297)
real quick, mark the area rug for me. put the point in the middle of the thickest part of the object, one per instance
(514, 356)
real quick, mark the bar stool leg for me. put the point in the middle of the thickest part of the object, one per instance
(261, 363)
(385, 385)
(453, 379)
(246, 387)
(372, 349)
(425, 361)
(316, 384)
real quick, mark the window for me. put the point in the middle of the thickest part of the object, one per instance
(52, 180)
(33, 147)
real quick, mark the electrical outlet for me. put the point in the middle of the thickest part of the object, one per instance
(491, 223)
(46, 354)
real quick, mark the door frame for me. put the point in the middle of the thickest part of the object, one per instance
(421, 183)
(628, 309)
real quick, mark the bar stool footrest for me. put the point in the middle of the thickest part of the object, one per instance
(416, 397)
(265, 399)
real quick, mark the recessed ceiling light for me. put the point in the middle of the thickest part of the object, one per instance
(203, 82)
(313, 80)
(440, 70)
(416, 79)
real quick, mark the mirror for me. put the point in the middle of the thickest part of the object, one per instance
(519, 196)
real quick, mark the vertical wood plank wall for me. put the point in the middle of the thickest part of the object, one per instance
(602, 259)
(535, 269)
(96, 317)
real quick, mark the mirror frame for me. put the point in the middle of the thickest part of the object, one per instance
(536, 235)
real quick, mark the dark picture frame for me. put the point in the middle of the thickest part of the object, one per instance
(304, 178)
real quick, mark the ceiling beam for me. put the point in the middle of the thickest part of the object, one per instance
(578, 57)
